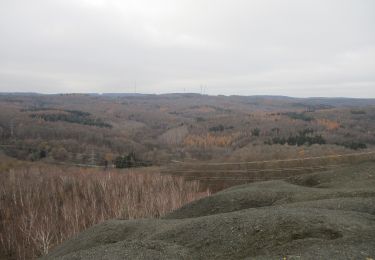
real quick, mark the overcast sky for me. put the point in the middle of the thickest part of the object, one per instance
(244, 47)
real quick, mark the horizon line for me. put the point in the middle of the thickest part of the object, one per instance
(172, 93)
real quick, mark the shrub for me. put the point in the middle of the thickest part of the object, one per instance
(130, 161)
(218, 128)
(73, 116)
(353, 145)
(255, 132)
(304, 137)
(299, 116)
(357, 112)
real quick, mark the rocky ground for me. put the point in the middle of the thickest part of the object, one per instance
(325, 215)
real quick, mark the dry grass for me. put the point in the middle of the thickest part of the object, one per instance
(43, 206)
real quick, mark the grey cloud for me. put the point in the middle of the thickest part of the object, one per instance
(292, 47)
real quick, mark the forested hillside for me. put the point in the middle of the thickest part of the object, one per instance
(154, 129)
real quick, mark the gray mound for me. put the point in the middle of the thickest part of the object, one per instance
(328, 215)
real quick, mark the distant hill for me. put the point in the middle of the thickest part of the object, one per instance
(88, 127)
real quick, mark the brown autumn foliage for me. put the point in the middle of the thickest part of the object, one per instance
(329, 124)
(209, 140)
(41, 206)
